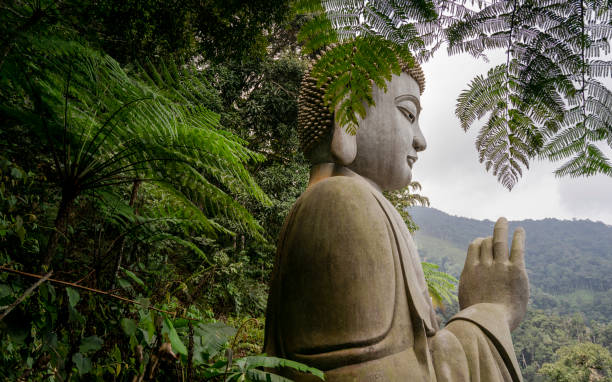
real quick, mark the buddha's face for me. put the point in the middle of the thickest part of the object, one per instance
(389, 137)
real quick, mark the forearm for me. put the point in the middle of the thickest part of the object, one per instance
(475, 346)
(483, 329)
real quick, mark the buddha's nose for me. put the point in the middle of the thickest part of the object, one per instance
(418, 142)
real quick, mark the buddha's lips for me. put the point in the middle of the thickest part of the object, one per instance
(411, 159)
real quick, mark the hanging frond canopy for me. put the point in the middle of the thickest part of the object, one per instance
(545, 101)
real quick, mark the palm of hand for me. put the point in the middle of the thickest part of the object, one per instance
(493, 275)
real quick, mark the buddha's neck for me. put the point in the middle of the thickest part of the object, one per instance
(322, 171)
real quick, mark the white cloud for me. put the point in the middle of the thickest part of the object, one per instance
(590, 197)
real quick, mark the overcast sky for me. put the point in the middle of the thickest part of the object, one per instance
(458, 184)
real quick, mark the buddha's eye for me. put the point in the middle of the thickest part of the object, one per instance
(408, 114)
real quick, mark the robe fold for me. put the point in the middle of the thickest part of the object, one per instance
(348, 296)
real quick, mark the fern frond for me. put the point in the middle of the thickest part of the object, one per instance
(370, 60)
(589, 162)
(599, 68)
(440, 285)
(317, 33)
(510, 137)
(482, 94)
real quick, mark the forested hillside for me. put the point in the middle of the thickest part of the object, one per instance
(569, 265)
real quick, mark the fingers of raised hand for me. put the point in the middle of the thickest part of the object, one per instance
(473, 255)
(517, 253)
(500, 240)
(486, 251)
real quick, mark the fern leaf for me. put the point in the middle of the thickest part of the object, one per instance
(252, 362)
(439, 284)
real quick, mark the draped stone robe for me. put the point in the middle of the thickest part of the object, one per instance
(348, 296)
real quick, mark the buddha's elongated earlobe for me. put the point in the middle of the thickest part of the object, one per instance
(343, 146)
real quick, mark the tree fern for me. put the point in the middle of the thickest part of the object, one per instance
(104, 127)
(553, 57)
(588, 117)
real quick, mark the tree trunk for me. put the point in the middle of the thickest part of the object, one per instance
(190, 353)
(133, 197)
(61, 223)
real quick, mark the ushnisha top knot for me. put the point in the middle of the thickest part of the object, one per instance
(314, 118)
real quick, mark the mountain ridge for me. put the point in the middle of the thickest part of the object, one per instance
(511, 220)
(569, 262)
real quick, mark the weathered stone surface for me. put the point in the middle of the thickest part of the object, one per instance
(348, 294)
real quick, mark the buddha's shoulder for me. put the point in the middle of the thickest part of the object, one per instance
(335, 206)
(341, 186)
(337, 189)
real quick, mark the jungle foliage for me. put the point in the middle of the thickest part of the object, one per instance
(131, 225)
(580, 362)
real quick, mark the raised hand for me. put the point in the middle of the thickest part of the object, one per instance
(491, 275)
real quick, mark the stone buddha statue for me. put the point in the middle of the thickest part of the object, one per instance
(348, 294)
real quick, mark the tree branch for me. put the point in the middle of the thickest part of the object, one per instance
(73, 285)
(27, 293)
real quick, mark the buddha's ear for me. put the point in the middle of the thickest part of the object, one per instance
(343, 146)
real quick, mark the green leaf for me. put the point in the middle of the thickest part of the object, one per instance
(134, 277)
(90, 344)
(123, 283)
(5, 290)
(49, 342)
(129, 326)
(145, 303)
(51, 290)
(73, 296)
(214, 337)
(82, 363)
(75, 316)
(147, 327)
(263, 376)
(175, 341)
(16, 173)
(252, 362)
(116, 354)
(18, 334)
